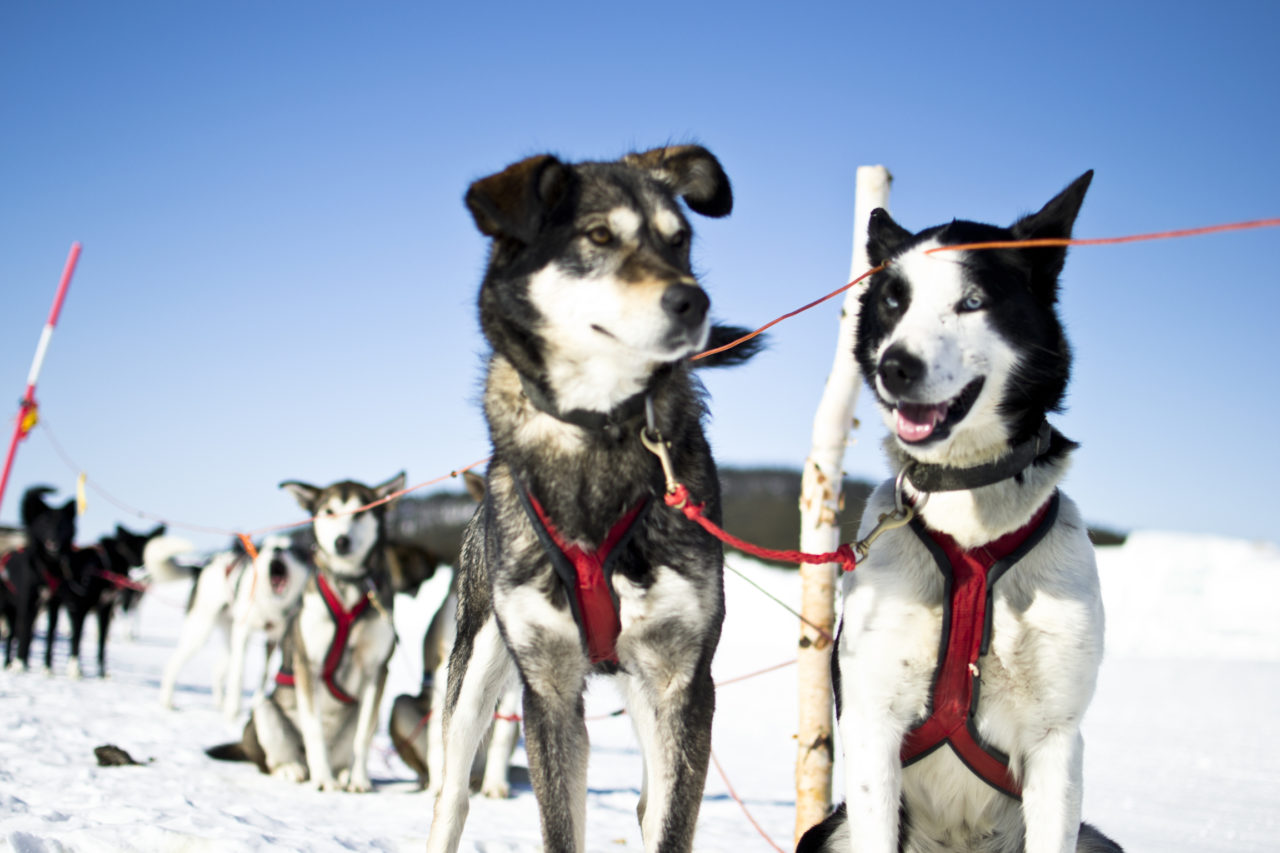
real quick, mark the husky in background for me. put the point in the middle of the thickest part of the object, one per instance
(971, 636)
(240, 596)
(573, 564)
(318, 723)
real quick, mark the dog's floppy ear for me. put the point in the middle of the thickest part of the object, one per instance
(1055, 221)
(304, 493)
(884, 236)
(390, 487)
(474, 483)
(693, 173)
(515, 202)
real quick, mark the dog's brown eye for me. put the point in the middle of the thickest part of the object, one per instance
(600, 235)
(679, 239)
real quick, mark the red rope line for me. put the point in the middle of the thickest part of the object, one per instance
(679, 499)
(732, 793)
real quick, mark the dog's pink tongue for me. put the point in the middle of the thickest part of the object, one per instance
(916, 421)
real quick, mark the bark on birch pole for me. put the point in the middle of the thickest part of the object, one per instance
(820, 505)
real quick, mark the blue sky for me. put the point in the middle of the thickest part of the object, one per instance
(279, 276)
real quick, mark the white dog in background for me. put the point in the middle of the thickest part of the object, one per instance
(241, 596)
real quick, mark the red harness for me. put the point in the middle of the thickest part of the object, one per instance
(966, 637)
(343, 619)
(586, 575)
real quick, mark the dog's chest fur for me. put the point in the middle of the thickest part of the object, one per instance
(369, 643)
(1046, 633)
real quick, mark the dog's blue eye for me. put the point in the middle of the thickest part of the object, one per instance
(972, 302)
(891, 302)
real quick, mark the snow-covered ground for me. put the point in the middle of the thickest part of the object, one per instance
(1179, 757)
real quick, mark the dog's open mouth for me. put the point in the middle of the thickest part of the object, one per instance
(920, 422)
(278, 574)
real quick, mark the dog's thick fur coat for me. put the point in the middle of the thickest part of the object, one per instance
(590, 306)
(320, 726)
(965, 356)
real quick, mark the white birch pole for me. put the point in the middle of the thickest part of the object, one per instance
(820, 505)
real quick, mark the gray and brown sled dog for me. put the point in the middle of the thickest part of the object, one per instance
(971, 636)
(319, 721)
(573, 564)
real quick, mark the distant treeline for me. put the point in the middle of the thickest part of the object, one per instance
(760, 505)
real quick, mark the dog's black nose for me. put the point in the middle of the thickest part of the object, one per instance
(900, 370)
(342, 545)
(686, 304)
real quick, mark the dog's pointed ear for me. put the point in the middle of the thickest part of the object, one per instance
(693, 173)
(158, 531)
(516, 201)
(390, 487)
(33, 503)
(474, 483)
(304, 493)
(884, 236)
(1053, 221)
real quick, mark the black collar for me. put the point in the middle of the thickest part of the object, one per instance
(612, 424)
(942, 478)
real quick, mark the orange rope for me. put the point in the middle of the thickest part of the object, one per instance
(1109, 241)
(788, 315)
(1013, 244)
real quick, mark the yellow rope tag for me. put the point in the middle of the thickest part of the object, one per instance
(29, 419)
(82, 501)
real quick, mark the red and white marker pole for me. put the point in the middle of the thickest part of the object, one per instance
(28, 413)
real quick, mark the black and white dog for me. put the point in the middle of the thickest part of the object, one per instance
(573, 564)
(971, 636)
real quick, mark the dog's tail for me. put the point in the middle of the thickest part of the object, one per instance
(723, 335)
(159, 559)
(233, 751)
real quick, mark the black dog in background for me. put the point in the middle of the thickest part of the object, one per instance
(44, 563)
(99, 581)
(50, 570)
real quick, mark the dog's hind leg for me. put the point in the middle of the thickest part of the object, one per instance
(77, 613)
(196, 628)
(478, 668)
(281, 744)
(103, 613)
(502, 743)
(236, 651)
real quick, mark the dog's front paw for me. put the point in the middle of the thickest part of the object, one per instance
(327, 783)
(73, 669)
(293, 772)
(359, 785)
(498, 789)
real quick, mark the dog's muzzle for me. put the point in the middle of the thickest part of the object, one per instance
(686, 305)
